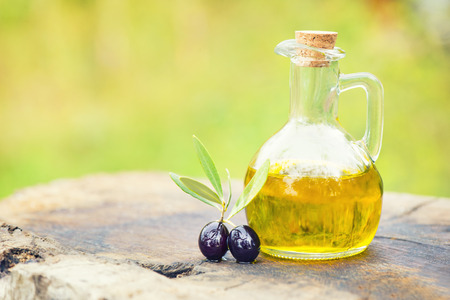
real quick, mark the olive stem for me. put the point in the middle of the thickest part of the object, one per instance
(229, 222)
(222, 212)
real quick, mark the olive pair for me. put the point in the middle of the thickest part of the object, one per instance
(243, 242)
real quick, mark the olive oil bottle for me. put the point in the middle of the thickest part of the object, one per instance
(323, 195)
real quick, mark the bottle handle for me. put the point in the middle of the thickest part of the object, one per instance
(374, 92)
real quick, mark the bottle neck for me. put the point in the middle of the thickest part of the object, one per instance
(314, 93)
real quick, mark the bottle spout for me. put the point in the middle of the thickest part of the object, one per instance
(311, 48)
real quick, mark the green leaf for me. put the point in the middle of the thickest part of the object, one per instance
(229, 189)
(252, 189)
(208, 166)
(200, 189)
(176, 179)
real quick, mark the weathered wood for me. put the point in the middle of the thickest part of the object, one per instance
(104, 229)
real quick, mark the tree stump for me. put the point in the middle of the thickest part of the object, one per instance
(134, 236)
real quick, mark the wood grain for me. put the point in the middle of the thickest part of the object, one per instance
(144, 221)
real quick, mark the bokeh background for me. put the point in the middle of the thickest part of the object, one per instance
(89, 86)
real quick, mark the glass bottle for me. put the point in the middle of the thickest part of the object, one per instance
(323, 195)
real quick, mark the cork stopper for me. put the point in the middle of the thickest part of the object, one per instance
(318, 39)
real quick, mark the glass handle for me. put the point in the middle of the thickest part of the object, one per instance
(374, 91)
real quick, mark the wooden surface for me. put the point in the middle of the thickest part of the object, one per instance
(110, 231)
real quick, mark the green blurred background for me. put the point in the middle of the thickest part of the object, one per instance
(89, 86)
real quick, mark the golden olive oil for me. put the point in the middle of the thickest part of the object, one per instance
(316, 217)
